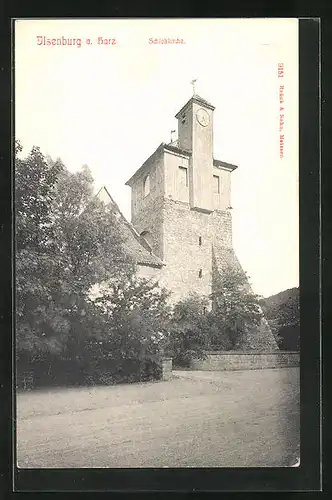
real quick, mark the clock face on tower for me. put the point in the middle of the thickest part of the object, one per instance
(203, 117)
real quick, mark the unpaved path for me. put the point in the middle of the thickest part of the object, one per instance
(197, 419)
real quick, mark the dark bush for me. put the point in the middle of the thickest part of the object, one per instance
(55, 372)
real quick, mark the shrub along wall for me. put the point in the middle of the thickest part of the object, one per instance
(245, 360)
(59, 372)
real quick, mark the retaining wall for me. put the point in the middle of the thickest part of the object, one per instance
(240, 360)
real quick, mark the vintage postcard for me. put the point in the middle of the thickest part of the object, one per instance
(157, 243)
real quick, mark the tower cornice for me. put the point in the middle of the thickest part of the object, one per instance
(179, 151)
(224, 165)
(199, 100)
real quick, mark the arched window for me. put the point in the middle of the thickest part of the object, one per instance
(146, 185)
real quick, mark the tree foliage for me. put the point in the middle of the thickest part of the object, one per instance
(236, 311)
(66, 241)
(288, 312)
(35, 182)
(190, 329)
(231, 319)
(283, 314)
(78, 300)
(133, 318)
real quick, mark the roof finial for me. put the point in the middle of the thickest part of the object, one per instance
(193, 84)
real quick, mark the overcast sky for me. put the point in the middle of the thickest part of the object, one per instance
(110, 106)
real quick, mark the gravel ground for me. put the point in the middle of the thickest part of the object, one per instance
(197, 419)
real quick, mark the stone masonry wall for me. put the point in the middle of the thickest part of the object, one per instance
(150, 218)
(175, 230)
(154, 167)
(221, 228)
(188, 237)
(237, 360)
(188, 264)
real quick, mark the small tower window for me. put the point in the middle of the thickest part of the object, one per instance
(200, 273)
(183, 119)
(183, 172)
(146, 185)
(216, 184)
(200, 241)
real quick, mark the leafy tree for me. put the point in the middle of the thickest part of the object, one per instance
(77, 295)
(289, 312)
(66, 241)
(190, 329)
(133, 318)
(283, 314)
(34, 188)
(35, 181)
(237, 313)
(235, 320)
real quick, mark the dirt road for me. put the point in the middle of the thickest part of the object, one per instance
(197, 419)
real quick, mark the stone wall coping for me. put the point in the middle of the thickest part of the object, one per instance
(255, 353)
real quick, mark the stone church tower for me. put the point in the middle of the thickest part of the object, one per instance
(181, 205)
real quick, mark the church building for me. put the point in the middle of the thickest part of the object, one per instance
(181, 224)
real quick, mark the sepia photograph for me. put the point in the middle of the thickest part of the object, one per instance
(156, 198)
